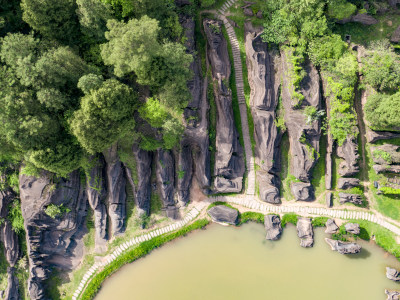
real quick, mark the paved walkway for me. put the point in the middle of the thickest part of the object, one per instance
(237, 63)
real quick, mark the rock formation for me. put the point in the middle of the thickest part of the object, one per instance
(364, 19)
(57, 241)
(10, 244)
(349, 153)
(329, 199)
(353, 228)
(351, 198)
(305, 232)
(331, 226)
(229, 162)
(344, 247)
(264, 81)
(392, 274)
(166, 179)
(302, 191)
(97, 194)
(116, 199)
(142, 189)
(223, 214)
(386, 158)
(303, 137)
(194, 154)
(347, 183)
(392, 295)
(373, 136)
(273, 227)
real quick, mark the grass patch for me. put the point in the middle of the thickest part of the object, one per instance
(362, 34)
(319, 221)
(132, 255)
(251, 216)
(289, 218)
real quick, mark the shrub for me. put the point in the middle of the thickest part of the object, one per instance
(15, 217)
(319, 221)
(54, 211)
(251, 216)
(326, 50)
(289, 218)
(382, 111)
(387, 190)
(341, 9)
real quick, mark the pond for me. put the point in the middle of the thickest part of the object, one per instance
(238, 263)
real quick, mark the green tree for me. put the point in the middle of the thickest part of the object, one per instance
(90, 82)
(382, 111)
(53, 19)
(325, 51)
(340, 9)
(105, 115)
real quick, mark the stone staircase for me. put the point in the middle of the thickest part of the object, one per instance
(251, 176)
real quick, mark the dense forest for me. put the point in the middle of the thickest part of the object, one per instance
(83, 79)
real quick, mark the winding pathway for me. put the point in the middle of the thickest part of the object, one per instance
(251, 174)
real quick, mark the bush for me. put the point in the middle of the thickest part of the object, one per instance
(289, 218)
(15, 217)
(341, 9)
(387, 190)
(326, 50)
(319, 221)
(382, 111)
(251, 216)
(54, 211)
(207, 3)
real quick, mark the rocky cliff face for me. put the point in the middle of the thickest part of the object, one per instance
(194, 154)
(97, 194)
(304, 138)
(229, 163)
(116, 183)
(11, 245)
(52, 241)
(166, 179)
(264, 79)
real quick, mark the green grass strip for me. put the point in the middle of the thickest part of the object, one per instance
(134, 254)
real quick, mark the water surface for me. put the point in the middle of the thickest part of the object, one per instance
(238, 263)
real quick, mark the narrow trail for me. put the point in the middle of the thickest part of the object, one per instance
(251, 174)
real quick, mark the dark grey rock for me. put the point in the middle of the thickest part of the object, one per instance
(379, 169)
(248, 12)
(116, 199)
(52, 242)
(353, 228)
(331, 226)
(185, 170)
(268, 187)
(11, 292)
(229, 161)
(351, 198)
(328, 199)
(97, 194)
(373, 136)
(349, 153)
(223, 214)
(364, 19)
(347, 183)
(392, 295)
(343, 247)
(259, 14)
(166, 180)
(392, 274)
(395, 38)
(305, 232)
(143, 188)
(273, 227)
(302, 191)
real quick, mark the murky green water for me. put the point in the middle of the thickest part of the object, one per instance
(238, 263)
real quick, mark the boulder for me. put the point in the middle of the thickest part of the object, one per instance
(386, 154)
(392, 274)
(395, 38)
(268, 187)
(364, 19)
(223, 214)
(248, 12)
(331, 226)
(395, 169)
(344, 247)
(328, 199)
(97, 194)
(305, 232)
(229, 160)
(392, 295)
(52, 242)
(116, 199)
(349, 153)
(165, 172)
(351, 198)
(304, 138)
(273, 227)
(259, 14)
(353, 228)
(347, 183)
(302, 191)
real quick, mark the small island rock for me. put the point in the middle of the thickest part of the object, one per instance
(392, 295)
(273, 227)
(223, 214)
(392, 274)
(344, 247)
(305, 232)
